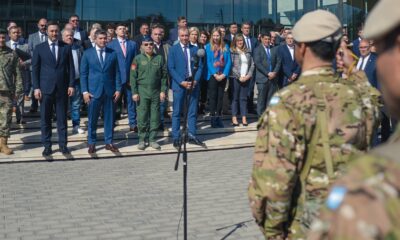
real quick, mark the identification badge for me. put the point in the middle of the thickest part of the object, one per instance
(336, 197)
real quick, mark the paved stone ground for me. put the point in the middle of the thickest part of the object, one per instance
(127, 198)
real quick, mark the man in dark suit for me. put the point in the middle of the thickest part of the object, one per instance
(181, 69)
(90, 42)
(34, 40)
(144, 33)
(233, 30)
(53, 82)
(251, 44)
(101, 87)
(290, 68)
(79, 34)
(125, 50)
(367, 62)
(356, 42)
(173, 33)
(268, 63)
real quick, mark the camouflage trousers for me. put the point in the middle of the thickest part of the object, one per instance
(6, 103)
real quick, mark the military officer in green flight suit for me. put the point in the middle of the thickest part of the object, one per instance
(149, 82)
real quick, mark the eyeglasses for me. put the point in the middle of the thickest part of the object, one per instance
(42, 25)
(74, 20)
(148, 44)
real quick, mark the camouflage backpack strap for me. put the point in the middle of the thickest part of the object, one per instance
(321, 130)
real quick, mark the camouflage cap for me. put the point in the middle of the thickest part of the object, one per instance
(317, 25)
(383, 18)
(3, 31)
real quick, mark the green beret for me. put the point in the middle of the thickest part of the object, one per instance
(383, 18)
(317, 25)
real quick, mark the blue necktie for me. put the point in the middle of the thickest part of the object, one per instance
(15, 45)
(186, 59)
(53, 50)
(269, 59)
(101, 57)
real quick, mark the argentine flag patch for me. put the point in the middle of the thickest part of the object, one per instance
(274, 100)
(336, 197)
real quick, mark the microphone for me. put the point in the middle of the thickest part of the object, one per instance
(197, 58)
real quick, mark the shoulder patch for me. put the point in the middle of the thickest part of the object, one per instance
(133, 67)
(274, 100)
(336, 197)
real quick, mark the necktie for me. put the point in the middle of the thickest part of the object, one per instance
(248, 43)
(101, 57)
(53, 50)
(15, 46)
(42, 38)
(269, 59)
(123, 47)
(362, 63)
(186, 60)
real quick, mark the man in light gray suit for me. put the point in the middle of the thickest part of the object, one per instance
(268, 63)
(35, 39)
(24, 66)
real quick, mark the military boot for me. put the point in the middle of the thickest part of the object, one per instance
(3, 146)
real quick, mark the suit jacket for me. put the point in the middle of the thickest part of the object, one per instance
(86, 44)
(370, 70)
(97, 79)
(289, 65)
(254, 44)
(84, 35)
(49, 74)
(177, 65)
(262, 65)
(228, 39)
(356, 44)
(34, 40)
(124, 63)
(211, 59)
(173, 36)
(24, 48)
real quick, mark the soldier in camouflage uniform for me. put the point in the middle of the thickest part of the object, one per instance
(308, 134)
(149, 83)
(10, 86)
(365, 203)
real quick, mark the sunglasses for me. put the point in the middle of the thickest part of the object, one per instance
(148, 44)
(74, 20)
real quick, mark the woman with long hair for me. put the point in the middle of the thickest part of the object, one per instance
(203, 40)
(218, 65)
(241, 73)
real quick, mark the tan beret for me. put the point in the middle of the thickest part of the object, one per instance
(383, 18)
(316, 25)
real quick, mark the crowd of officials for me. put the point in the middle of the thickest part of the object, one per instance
(57, 67)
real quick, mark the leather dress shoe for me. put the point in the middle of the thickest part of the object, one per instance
(91, 149)
(133, 129)
(194, 140)
(64, 150)
(176, 144)
(47, 152)
(21, 122)
(111, 148)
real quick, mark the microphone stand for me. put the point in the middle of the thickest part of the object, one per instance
(184, 140)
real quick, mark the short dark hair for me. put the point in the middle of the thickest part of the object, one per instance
(157, 25)
(73, 15)
(205, 33)
(119, 25)
(180, 18)
(246, 23)
(110, 26)
(279, 27)
(100, 32)
(144, 24)
(265, 34)
(52, 23)
(232, 23)
(324, 50)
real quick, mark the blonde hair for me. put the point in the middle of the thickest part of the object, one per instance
(234, 47)
(221, 45)
(194, 29)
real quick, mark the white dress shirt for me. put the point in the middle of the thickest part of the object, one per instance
(77, 34)
(366, 58)
(56, 47)
(12, 44)
(291, 50)
(42, 37)
(98, 53)
(188, 54)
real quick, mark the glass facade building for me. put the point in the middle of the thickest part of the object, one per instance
(206, 13)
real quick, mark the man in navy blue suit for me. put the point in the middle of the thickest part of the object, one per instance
(251, 44)
(101, 87)
(173, 33)
(126, 50)
(367, 62)
(290, 68)
(181, 61)
(53, 82)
